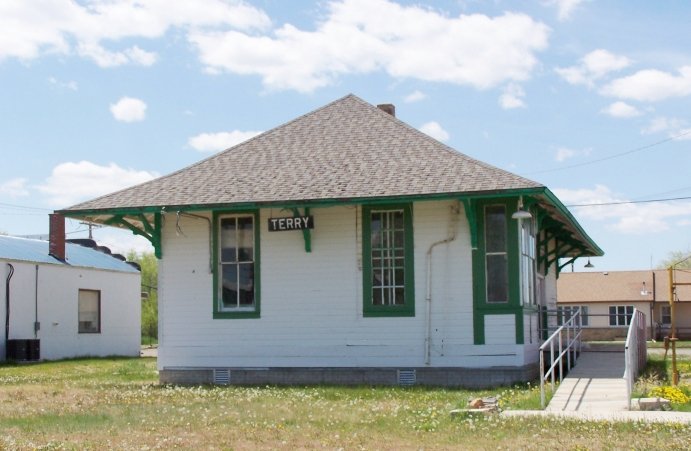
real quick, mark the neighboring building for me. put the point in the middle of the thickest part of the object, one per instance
(608, 299)
(76, 302)
(348, 247)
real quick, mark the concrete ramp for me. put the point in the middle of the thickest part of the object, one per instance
(595, 384)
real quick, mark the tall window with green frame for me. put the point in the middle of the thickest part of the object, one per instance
(236, 264)
(528, 265)
(496, 255)
(388, 262)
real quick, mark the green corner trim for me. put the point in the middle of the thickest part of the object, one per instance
(520, 327)
(306, 233)
(150, 232)
(471, 215)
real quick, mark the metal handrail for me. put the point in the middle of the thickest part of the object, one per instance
(636, 352)
(572, 329)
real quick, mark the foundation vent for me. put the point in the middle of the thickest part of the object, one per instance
(406, 377)
(221, 376)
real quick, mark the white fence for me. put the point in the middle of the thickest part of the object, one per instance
(564, 346)
(636, 350)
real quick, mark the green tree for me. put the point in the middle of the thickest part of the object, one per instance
(677, 256)
(149, 274)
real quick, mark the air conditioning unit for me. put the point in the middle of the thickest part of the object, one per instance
(26, 350)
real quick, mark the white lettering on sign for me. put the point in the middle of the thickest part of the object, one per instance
(294, 223)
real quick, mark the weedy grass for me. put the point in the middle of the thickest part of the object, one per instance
(118, 404)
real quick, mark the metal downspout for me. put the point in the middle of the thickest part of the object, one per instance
(192, 215)
(7, 305)
(652, 309)
(36, 323)
(428, 297)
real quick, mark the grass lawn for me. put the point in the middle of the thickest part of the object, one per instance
(117, 404)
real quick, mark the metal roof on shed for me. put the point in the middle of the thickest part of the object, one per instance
(36, 251)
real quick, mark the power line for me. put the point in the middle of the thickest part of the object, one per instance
(617, 155)
(24, 207)
(665, 192)
(631, 202)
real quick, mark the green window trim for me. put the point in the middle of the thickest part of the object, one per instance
(218, 313)
(408, 289)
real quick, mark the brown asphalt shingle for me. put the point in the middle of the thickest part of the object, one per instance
(346, 149)
(620, 286)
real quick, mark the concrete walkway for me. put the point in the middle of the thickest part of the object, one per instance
(595, 389)
(595, 384)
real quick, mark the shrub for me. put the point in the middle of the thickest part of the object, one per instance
(674, 394)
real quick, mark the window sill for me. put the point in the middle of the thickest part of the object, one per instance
(388, 313)
(236, 315)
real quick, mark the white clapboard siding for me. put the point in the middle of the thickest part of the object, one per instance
(311, 303)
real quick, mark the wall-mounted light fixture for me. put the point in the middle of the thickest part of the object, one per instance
(644, 290)
(521, 213)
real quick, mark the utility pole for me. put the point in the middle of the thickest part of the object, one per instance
(91, 227)
(673, 326)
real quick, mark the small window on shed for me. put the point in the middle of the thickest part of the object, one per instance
(89, 315)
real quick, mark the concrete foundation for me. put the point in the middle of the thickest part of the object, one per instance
(444, 377)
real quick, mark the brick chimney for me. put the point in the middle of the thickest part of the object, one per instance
(388, 108)
(56, 240)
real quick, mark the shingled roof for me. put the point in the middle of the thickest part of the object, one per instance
(347, 149)
(621, 286)
(345, 152)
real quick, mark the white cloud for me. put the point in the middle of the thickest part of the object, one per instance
(651, 85)
(643, 218)
(364, 36)
(105, 58)
(672, 126)
(128, 109)
(29, 30)
(564, 153)
(593, 66)
(565, 8)
(71, 182)
(621, 110)
(415, 96)
(14, 188)
(435, 130)
(71, 85)
(214, 142)
(512, 97)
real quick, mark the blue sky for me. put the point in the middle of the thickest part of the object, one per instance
(590, 98)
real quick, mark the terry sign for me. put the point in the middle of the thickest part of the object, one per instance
(295, 223)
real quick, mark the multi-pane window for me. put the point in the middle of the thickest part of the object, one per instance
(620, 315)
(566, 312)
(666, 315)
(496, 256)
(89, 312)
(528, 250)
(387, 261)
(236, 265)
(388, 257)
